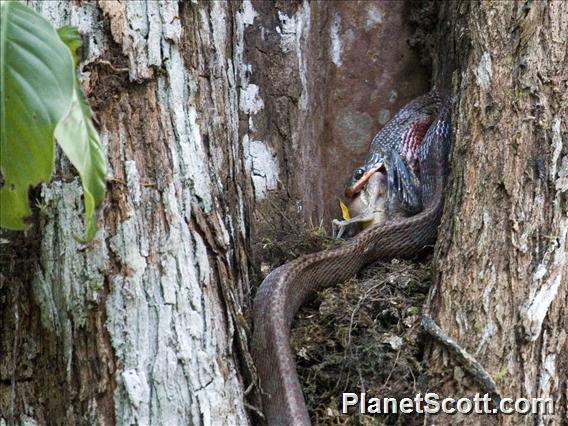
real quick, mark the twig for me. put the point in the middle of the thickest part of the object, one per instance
(392, 369)
(255, 410)
(470, 364)
(111, 66)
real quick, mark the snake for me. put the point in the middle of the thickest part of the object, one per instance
(419, 135)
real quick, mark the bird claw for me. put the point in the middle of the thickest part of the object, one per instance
(338, 227)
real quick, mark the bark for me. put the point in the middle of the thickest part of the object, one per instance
(501, 257)
(140, 326)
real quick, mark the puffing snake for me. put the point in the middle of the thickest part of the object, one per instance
(286, 288)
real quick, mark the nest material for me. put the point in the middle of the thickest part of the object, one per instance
(363, 335)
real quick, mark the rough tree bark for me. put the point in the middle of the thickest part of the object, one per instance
(502, 266)
(139, 326)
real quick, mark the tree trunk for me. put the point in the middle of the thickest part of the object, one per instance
(502, 269)
(142, 325)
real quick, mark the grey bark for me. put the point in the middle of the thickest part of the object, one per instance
(138, 326)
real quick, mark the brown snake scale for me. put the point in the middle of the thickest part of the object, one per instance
(286, 288)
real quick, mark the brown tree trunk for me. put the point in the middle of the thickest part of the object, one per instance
(323, 77)
(502, 267)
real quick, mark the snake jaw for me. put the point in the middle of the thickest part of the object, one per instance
(354, 189)
(367, 208)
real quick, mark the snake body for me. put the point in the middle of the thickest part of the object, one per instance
(286, 288)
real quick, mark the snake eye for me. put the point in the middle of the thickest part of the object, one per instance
(359, 173)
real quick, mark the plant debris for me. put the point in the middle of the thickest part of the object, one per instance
(364, 336)
(292, 243)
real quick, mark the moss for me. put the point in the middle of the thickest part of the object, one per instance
(503, 372)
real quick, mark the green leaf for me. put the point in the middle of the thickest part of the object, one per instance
(80, 141)
(36, 89)
(41, 98)
(69, 35)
